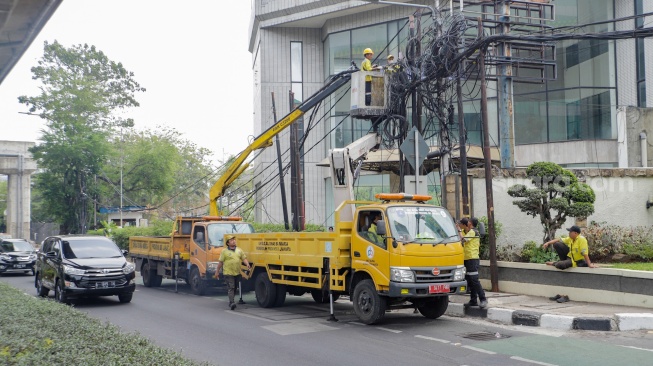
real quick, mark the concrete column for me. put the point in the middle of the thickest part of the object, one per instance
(18, 206)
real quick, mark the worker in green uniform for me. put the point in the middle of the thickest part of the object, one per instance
(472, 261)
(230, 261)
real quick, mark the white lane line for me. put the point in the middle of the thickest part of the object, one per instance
(532, 361)
(480, 350)
(432, 339)
(389, 330)
(641, 349)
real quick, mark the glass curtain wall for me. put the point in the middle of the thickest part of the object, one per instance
(580, 103)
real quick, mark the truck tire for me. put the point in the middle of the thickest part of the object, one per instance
(368, 305)
(125, 298)
(281, 295)
(322, 297)
(150, 278)
(265, 290)
(197, 283)
(435, 308)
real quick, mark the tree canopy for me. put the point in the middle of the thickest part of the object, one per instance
(81, 91)
(556, 195)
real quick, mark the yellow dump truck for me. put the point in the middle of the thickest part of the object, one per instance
(186, 253)
(411, 258)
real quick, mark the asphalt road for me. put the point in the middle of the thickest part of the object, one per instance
(298, 333)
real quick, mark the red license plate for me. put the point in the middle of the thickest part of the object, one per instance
(439, 288)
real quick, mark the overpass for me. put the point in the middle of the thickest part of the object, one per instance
(16, 162)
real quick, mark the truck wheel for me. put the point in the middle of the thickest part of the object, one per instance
(197, 283)
(435, 308)
(265, 290)
(281, 295)
(150, 278)
(59, 293)
(322, 297)
(40, 289)
(368, 305)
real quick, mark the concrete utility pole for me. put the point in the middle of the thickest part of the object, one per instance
(296, 196)
(506, 112)
(494, 273)
(463, 136)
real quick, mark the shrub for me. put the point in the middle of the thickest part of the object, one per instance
(485, 241)
(121, 236)
(532, 252)
(42, 332)
(607, 240)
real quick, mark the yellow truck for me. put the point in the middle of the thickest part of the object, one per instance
(414, 259)
(186, 253)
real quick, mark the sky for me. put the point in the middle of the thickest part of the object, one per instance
(191, 56)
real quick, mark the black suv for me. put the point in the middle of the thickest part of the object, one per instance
(16, 255)
(83, 266)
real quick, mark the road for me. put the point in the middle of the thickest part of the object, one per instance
(298, 333)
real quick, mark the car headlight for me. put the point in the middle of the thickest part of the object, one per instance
(459, 274)
(32, 257)
(401, 274)
(4, 257)
(128, 268)
(73, 271)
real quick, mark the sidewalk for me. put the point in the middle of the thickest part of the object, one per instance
(537, 311)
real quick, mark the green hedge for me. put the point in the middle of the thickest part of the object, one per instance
(43, 332)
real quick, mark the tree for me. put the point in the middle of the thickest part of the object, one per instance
(80, 94)
(160, 170)
(556, 195)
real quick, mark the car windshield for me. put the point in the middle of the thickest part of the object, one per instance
(16, 246)
(219, 229)
(422, 225)
(90, 248)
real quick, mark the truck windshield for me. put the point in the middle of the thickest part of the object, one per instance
(432, 225)
(219, 229)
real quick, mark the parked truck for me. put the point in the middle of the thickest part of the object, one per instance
(186, 253)
(414, 260)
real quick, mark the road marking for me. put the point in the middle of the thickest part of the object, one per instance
(432, 339)
(249, 316)
(641, 349)
(389, 330)
(531, 361)
(480, 350)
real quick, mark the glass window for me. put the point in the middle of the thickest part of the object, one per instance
(639, 9)
(374, 37)
(339, 52)
(296, 61)
(91, 248)
(641, 94)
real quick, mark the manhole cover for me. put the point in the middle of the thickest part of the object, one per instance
(485, 336)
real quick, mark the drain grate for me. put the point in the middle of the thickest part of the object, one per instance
(485, 336)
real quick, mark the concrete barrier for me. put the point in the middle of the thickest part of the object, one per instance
(599, 285)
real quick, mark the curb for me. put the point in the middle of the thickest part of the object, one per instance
(619, 322)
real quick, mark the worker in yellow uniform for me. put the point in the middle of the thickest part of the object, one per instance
(472, 242)
(366, 65)
(230, 258)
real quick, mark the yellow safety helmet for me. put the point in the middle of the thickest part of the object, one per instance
(367, 50)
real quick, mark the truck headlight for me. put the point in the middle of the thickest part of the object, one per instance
(73, 271)
(459, 274)
(128, 268)
(401, 274)
(212, 267)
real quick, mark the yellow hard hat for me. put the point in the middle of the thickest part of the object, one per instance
(390, 57)
(367, 50)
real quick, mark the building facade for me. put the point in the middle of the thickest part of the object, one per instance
(571, 119)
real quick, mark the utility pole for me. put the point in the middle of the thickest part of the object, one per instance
(296, 199)
(463, 135)
(506, 113)
(282, 184)
(494, 273)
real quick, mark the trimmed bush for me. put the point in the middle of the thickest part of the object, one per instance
(605, 241)
(43, 332)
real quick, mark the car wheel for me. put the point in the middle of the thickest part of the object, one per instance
(368, 305)
(197, 283)
(125, 298)
(40, 290)
(59, 293)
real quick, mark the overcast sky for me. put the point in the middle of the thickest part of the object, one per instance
(191, 56)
